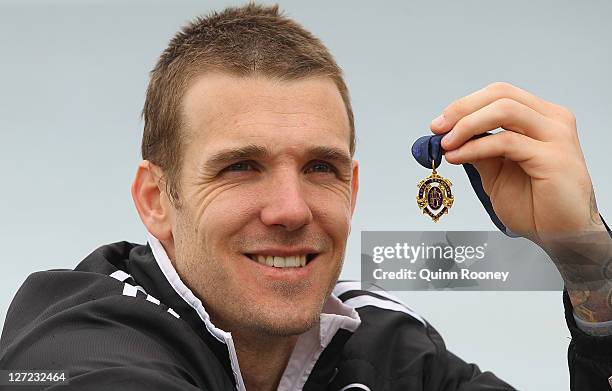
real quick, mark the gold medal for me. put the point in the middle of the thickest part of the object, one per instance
(435, 197)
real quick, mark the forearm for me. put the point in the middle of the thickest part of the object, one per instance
(592, 304)
(585, 263)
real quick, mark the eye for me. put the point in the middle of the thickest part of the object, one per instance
(240, 166)
(320, 166)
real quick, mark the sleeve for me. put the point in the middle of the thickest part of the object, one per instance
(599, 329)
(104, 340)
(123, 378)
(99, 352)
(589, 357)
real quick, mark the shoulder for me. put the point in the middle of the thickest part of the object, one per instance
(390, 331)
(94, 285)
(395, 348)
(106, 332)
(84, 321)
(69, 302)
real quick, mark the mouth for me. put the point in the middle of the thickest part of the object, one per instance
(281, 262)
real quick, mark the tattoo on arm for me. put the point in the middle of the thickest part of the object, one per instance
(592, 300)
(584, 260)
(593, 308)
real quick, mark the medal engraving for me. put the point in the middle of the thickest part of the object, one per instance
(435, 197)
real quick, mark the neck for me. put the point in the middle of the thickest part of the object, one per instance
(263, 359)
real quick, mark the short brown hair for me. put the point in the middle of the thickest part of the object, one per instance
(242, 41)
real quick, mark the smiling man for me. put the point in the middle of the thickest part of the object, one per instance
(246, 189)
(267, 190)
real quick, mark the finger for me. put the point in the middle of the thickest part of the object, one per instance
(513, 146)
(485, 96)
(503, 113)
(488, 170)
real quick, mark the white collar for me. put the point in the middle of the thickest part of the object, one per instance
(310, 345)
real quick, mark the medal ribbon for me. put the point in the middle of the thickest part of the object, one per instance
(428, 148)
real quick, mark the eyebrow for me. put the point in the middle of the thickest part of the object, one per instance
(225, 157)
(330, 153)
(253, 151)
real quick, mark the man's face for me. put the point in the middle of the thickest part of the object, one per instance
(267, 178)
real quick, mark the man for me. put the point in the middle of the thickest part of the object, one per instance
(247, 188)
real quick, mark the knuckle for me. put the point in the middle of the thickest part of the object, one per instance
(456, 110)
(567, 115)
(500, 87)
(504, 107)
(571, 134)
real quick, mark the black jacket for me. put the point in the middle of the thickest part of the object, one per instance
(97, 322)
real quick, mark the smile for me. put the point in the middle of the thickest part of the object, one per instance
(297, 260)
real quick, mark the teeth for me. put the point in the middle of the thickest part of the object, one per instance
(279, 262)
(276, 261)
(292, 261)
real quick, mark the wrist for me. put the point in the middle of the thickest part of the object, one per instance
(593, 306)
(585, 264)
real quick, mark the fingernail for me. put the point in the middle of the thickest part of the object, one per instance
(438, 121)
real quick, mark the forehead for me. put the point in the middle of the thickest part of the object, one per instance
(219, 109)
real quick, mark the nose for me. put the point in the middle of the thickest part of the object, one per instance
(285, 203)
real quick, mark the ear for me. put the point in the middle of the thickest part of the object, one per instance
(354, 185)
(151, 200)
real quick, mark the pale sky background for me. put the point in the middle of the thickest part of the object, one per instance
(73, 76)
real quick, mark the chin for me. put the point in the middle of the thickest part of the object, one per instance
(290, 326)
(286, 320)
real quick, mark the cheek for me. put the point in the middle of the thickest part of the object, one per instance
(227, 213)
(333, 213)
